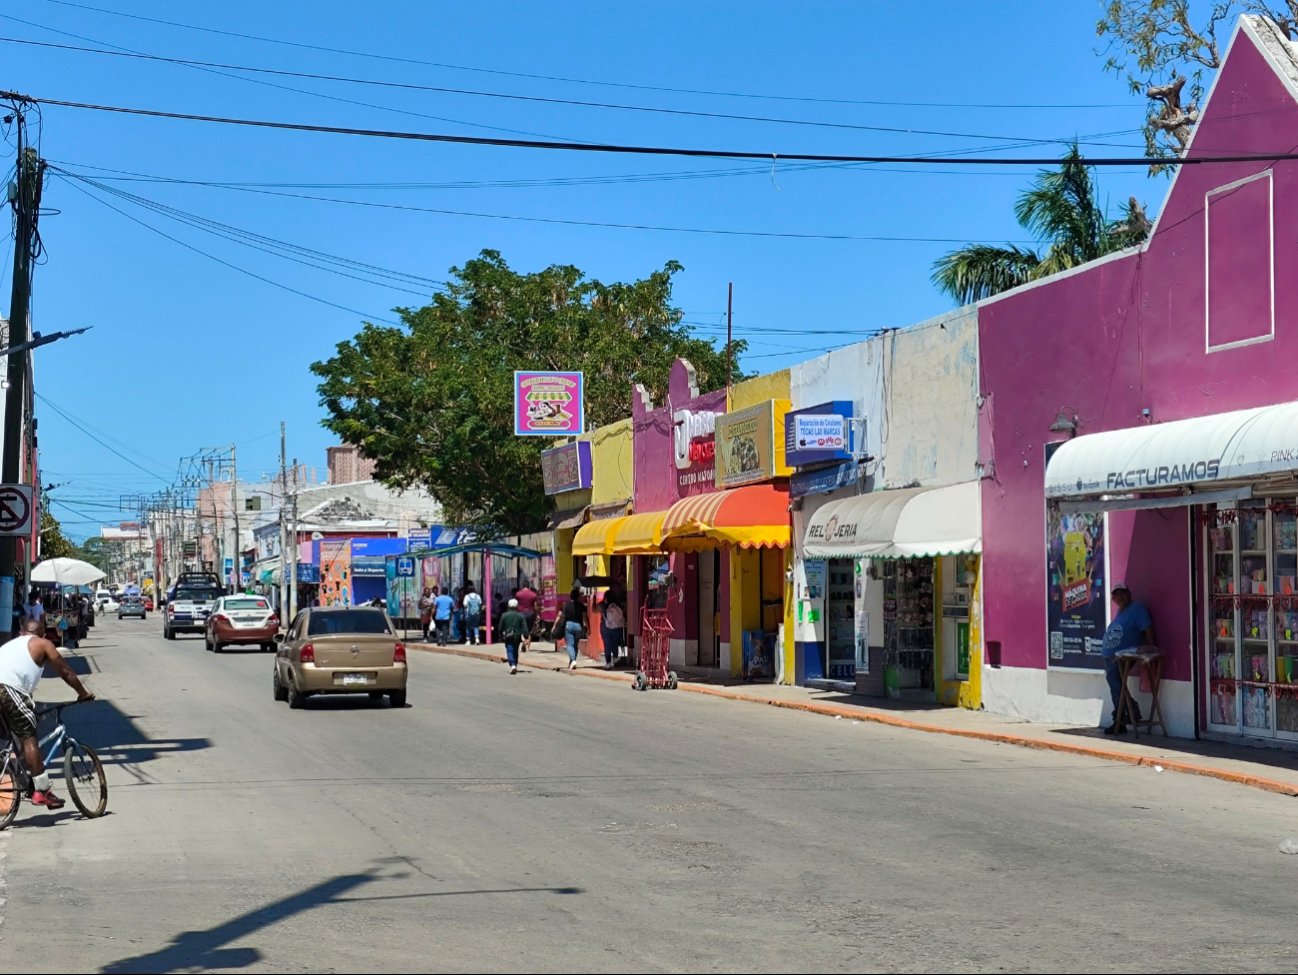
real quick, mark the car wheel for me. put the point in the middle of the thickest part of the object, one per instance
(296, 699)
(281, 694)
(168, 634)
(397, 698)
(376, 697)
(217, 646)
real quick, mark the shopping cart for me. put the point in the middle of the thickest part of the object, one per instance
(655, 647)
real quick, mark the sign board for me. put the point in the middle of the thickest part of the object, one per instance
(405, 567)
(549, 404)
(16, 509)
(566, 468)
(747, 448)
(819, 434)
(229, 566)
(824, 479)
(1077, 600)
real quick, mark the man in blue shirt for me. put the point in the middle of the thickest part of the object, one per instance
(442, 607)
(1131, 629)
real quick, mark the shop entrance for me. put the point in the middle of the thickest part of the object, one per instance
(909, 640)
(840, 619)
(708, 653)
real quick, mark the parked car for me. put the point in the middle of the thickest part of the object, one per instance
(242, 619)
(131, 606)
(148, 603)
(105, 601)
(340, 650)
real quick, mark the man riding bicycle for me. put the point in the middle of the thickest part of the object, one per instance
(22, 662)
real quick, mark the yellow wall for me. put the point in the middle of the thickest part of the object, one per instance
(971, 690)
(774, 385)
(610, 456)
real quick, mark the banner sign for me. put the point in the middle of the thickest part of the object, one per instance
(549, 404)
(825, 479)
(1077, 603)
(819, 434)
(747, 450)
(566, 468)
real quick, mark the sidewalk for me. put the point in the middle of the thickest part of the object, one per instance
(1272, 769)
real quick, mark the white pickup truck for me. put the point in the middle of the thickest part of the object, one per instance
(188, 609)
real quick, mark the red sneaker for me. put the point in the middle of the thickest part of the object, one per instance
(47, 799)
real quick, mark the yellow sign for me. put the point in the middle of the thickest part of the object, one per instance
(747, 445)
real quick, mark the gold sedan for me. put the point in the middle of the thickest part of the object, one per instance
(340, 650)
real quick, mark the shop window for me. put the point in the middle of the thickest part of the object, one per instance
(1239, 290)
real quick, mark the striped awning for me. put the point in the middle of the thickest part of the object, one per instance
(756, 516)
(640, 534)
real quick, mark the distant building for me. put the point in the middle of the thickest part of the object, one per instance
(346, 465)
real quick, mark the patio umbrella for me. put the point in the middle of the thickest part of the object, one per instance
(66, 572)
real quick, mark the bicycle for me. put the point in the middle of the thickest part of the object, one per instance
(83, 772)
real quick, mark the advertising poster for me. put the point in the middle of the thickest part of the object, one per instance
(1077, 611)
(549, 404)
(743, 447)
(403, 594)
(335, 572)
(549, 589)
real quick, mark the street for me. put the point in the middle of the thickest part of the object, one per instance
(540, 822)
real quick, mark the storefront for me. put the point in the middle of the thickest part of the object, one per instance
(1238, 505)
(908, 559)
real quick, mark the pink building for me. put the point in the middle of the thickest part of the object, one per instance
(1126, 392)
(347, 465)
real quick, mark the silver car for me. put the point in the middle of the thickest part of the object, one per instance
(132, 606)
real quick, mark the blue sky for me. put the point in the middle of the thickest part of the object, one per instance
(188, 353)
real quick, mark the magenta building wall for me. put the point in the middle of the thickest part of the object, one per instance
(1186, 326)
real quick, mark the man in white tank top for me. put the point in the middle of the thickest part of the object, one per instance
(22, 662)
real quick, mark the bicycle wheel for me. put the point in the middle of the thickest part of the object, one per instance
(11, 794)
(83, 774)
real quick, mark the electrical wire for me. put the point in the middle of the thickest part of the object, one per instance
(537, 99)
(626, 149)
(584, 81)
(111, 449)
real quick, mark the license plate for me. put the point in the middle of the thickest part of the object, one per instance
(355, 679)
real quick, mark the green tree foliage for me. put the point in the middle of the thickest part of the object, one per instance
(1062, 210)
(54, 544)
(431, 402)
(1162, 50)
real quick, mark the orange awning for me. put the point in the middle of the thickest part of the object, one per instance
(750, 517)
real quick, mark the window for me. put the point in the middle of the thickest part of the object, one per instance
(246, 604)
(1239, 256)
(348, 621)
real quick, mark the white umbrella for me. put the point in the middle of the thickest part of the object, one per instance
(66, 572)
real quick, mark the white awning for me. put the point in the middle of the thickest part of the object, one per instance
(907, 523)
(1201, 452)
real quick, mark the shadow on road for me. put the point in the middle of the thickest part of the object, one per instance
(207, 949)
(102, 726)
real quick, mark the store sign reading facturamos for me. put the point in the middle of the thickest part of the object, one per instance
(1153, 477)
(747, 450)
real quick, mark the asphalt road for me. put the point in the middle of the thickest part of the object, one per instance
(548, 823)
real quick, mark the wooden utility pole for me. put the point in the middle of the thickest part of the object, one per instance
(730, 337)
(283, 530)
(237, 584)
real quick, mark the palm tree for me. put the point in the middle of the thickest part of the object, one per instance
(1060, 209)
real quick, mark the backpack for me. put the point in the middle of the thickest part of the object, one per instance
(473, 604)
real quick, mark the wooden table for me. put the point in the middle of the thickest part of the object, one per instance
(1130, 663)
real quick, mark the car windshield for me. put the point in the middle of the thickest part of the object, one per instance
(246, 604)
(196, 595)
(348, 621)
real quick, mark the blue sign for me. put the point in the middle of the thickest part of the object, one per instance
(405, 567)
(229, 565)
(308, 573)
(801, 451)
(824, 479)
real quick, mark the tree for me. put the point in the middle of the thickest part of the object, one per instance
(431, 402)
(54, 544)
(1062, 210)
(1159, 50)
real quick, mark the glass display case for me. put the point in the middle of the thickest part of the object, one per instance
(908, 614)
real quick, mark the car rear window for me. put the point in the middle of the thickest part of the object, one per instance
(348, 621)
(246, 604)
(197, 595)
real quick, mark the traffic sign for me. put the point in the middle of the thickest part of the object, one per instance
(15, 509)
(405, 567)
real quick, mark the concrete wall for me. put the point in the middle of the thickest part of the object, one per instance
(1170, 328)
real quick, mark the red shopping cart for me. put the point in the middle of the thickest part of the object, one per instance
(655, 647)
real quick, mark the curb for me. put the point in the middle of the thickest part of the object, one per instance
(997, 737)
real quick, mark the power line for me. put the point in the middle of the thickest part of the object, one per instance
(109, 447)
(537, 99)
(624, 149)
(583, 81)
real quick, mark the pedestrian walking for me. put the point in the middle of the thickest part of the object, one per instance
(527, 597)
(612, 625)
(472, 604)
(574, 623)
(35, 607)
(512, 627)
(443, 606)
(426, 612)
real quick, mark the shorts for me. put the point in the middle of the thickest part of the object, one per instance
(18, 711)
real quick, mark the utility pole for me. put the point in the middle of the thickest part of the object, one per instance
(237, 584)
(292, 542)
(283, 529)
(730, 337)
(26, 204)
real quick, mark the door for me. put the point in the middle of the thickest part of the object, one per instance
(708, 654)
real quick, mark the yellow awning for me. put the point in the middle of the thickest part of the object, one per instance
(640, 534)
(596, 537)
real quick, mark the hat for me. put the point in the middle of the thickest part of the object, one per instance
(1119, 587)
(513, 604)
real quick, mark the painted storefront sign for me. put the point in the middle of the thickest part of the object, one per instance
(549, 404)
(747, 450)
(566, 468)
(819, 434)
(335, 572)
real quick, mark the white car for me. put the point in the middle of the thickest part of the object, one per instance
(105, 602)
